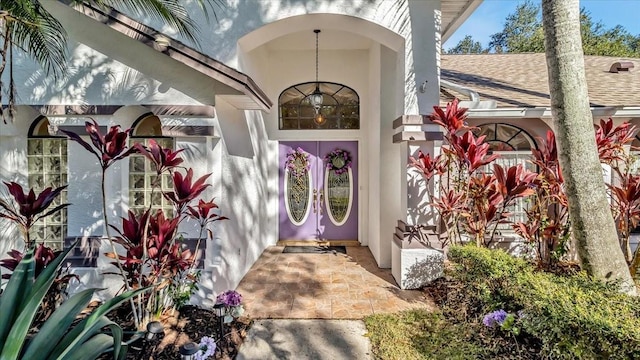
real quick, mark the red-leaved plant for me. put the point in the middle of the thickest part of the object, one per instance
(547, 224)
(154, 254)
(471, 200)
(30, 207)
(614, 145)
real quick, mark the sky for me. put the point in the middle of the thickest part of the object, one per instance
(490, 16)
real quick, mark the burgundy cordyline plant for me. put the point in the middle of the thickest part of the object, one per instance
(185, 189)
(614, 145)
(471, 200)
(30, 207)
(108, 149)
(205, 213)
(25, 210)
(43, 256)
(163, 159)
(547, 225)
(153, 252)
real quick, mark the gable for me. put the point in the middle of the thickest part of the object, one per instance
(159, 56)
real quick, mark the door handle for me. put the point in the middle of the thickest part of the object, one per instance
(315, 200)
(321, 201)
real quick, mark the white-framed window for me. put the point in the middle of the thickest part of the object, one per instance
(514, 146)
(47, 167)
(143, 178)
(145, 188)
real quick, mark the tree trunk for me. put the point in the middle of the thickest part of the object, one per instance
(592, 221)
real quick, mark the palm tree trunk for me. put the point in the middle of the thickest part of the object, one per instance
(593, 225)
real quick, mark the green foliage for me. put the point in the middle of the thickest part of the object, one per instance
(572, 316)
(58, 337)
(183, 286)
(522, 33)
(420, 334)
(35, 31)
(467, 46)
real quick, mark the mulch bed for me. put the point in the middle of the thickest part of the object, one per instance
(189, 324)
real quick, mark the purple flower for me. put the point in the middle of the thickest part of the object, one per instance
(207, 348)
(229, 298)
(495, 318)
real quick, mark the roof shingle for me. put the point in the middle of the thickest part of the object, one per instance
(520, 80)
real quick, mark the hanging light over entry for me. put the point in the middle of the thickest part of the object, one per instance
(317, 98)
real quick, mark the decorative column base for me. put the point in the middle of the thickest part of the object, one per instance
(414, 264)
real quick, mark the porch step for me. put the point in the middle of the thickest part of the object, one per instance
(318, 243)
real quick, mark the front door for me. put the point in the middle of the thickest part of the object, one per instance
(318, 190)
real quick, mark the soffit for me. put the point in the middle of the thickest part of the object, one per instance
(327, 40)
(454, 13)
(174, 63)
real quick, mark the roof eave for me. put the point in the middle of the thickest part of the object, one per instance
(463, 15)
(177, 51)
(545, 112)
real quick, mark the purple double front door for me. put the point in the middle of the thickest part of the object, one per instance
(318, 183)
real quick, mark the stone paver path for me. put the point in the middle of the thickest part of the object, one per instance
(323, 286)
(278, 339)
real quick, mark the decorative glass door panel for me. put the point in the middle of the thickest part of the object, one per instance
(318, 190)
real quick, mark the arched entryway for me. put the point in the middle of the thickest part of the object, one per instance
(353, 54)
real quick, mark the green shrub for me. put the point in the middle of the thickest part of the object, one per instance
(62, 336)
(486, 275)
(572, 316)
(420, 334)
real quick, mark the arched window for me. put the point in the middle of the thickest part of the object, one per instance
(47, 167)
(142, 172)
(505, 137)
(340, 107)
(514, 146)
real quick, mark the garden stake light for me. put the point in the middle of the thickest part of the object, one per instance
(219, 309)
(188, 351)
(153, 329)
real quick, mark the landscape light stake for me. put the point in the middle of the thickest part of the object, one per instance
(219, 309)
(188, 351)
(153, 329)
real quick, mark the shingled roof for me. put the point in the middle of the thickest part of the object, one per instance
(520, 80)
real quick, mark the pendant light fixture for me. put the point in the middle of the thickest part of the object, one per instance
(316, 97)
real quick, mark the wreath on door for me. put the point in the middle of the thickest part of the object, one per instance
(298, 163)
(339, 160)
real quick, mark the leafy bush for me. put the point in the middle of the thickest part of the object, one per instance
(573, 316)
(420, 334)
(61, 336)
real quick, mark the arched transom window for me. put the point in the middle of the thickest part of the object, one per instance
(340, 107)
(505, 137)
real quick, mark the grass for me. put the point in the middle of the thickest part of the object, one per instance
(420, 334)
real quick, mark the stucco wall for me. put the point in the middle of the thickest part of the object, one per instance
(385, 75)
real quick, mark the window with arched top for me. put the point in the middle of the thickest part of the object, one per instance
(47, 167)
(143, 176)
(339, 109)
(514, 146)
(505, 137)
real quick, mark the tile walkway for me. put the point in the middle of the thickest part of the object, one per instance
(323, 286)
